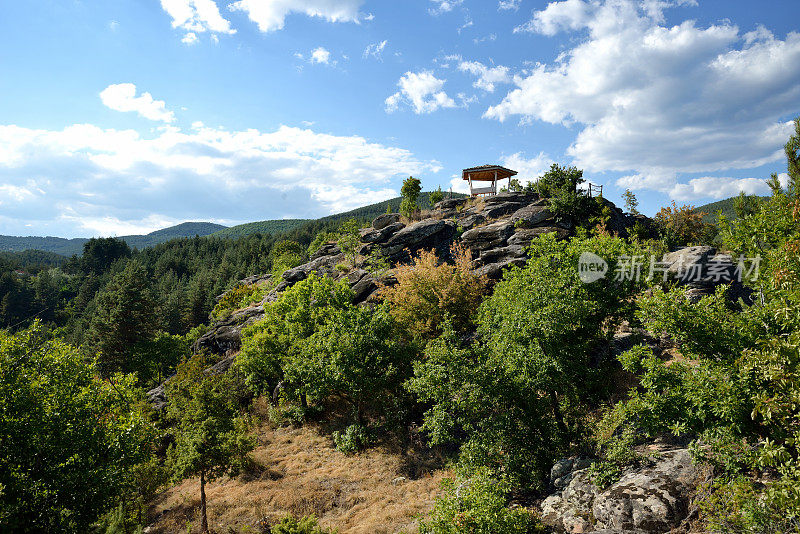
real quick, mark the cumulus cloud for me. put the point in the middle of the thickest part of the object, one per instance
(443, 6)
(86, 180)
(271, 15)
(320, 55)
(487, 77)
(196, 16)
(656, 100)
(375, 50)
(528, 169)
(122, 97)
(423, 91)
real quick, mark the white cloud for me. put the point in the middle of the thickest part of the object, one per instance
(320, 55)
(196, 16)
(718, 188)
(487, 76)
(509, 5)
(270, 15)
(87, 179)
(443, 6)
(122, 97)
(190, 38)
(422, 90)
(528, 170)
(376, 50)
(657, 101)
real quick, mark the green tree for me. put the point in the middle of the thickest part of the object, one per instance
(631, 203)
(792, 150)
(124, 319)
(210, 436)
(436, 196)
(537, 336)
(410, 193)
(350, 240)
(68, 441)
(745, 205)
(100, 252)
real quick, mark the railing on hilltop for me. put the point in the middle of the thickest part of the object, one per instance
(594, 190)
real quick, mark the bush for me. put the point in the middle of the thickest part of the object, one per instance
(683, 225)
(436, 196)
(427, 291)
(410, 192)
(355, 438)
(306, 525)
(237, 298)
(287, 414)
(477, 505)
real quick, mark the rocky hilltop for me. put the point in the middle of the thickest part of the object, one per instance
(496, 229)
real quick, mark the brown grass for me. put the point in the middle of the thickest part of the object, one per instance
(302, 473)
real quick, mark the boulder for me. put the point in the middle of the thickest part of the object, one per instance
(450, 203)
(494, 271)
(650, 499)
(225, 336)
(532, 215)
(492, 211)
(327, 249)
(425, 234)
(498, 255)
(485, 237)
(511, 196)
(524, 236)
(653, 499)
(382, 221)
(470, 220)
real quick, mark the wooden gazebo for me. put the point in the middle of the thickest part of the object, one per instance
(486, 173)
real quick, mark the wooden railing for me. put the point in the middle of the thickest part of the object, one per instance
(594, 190)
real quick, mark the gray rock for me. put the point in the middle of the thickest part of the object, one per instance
(327, 249)
(364, 289)
(532, 215)
(450, 203)
(509, 196)
(382, 221)
(492, 211)
(470, 220)
(653, 499)
(485, 237)
(428, 234)
(494, 271)
(524, 236)
(498, 255)
(225, 335)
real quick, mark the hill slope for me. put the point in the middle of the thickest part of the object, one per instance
(275, 226)
(725, 206)
(68, 247)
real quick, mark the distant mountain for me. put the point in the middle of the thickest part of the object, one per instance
(68, 247)
(276, 226)
(725, 206)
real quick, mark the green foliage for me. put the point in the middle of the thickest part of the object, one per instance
(537, 335)
(287, 414)
(616, 454)
(745, 205)
(100, 253)
(631, 203)
(305, 525)
(378, 264)
(274, 227)
(237, 298)
(355, 438)
(68, 441)
(124, 319)
(478, 505)
(410, 193)
(560, 185)
(350, 240)
(274, 349)
(210, 434)
(436, 196)
(683, 225)
(286, 254)
(320, 239)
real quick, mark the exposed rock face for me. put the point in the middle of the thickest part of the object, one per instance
(226, 335)
(701, 269)
(648, 499)
(382, 221)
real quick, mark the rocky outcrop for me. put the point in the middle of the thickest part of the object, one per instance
(496, 229)
(649, 499)
(701, 269)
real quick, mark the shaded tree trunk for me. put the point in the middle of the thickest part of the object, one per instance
(204, 518)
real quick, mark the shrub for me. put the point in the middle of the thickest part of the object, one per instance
(305, 525)
(683, 225)
(287, 414)
(355, 438)
(239, 297)
(350, 241)
(477, 505)
(436, 196)
(427, 291)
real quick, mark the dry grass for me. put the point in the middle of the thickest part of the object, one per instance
(302, 473)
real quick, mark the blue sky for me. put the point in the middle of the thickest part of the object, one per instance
(130, 115)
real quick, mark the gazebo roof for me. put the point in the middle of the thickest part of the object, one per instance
(487, 173)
